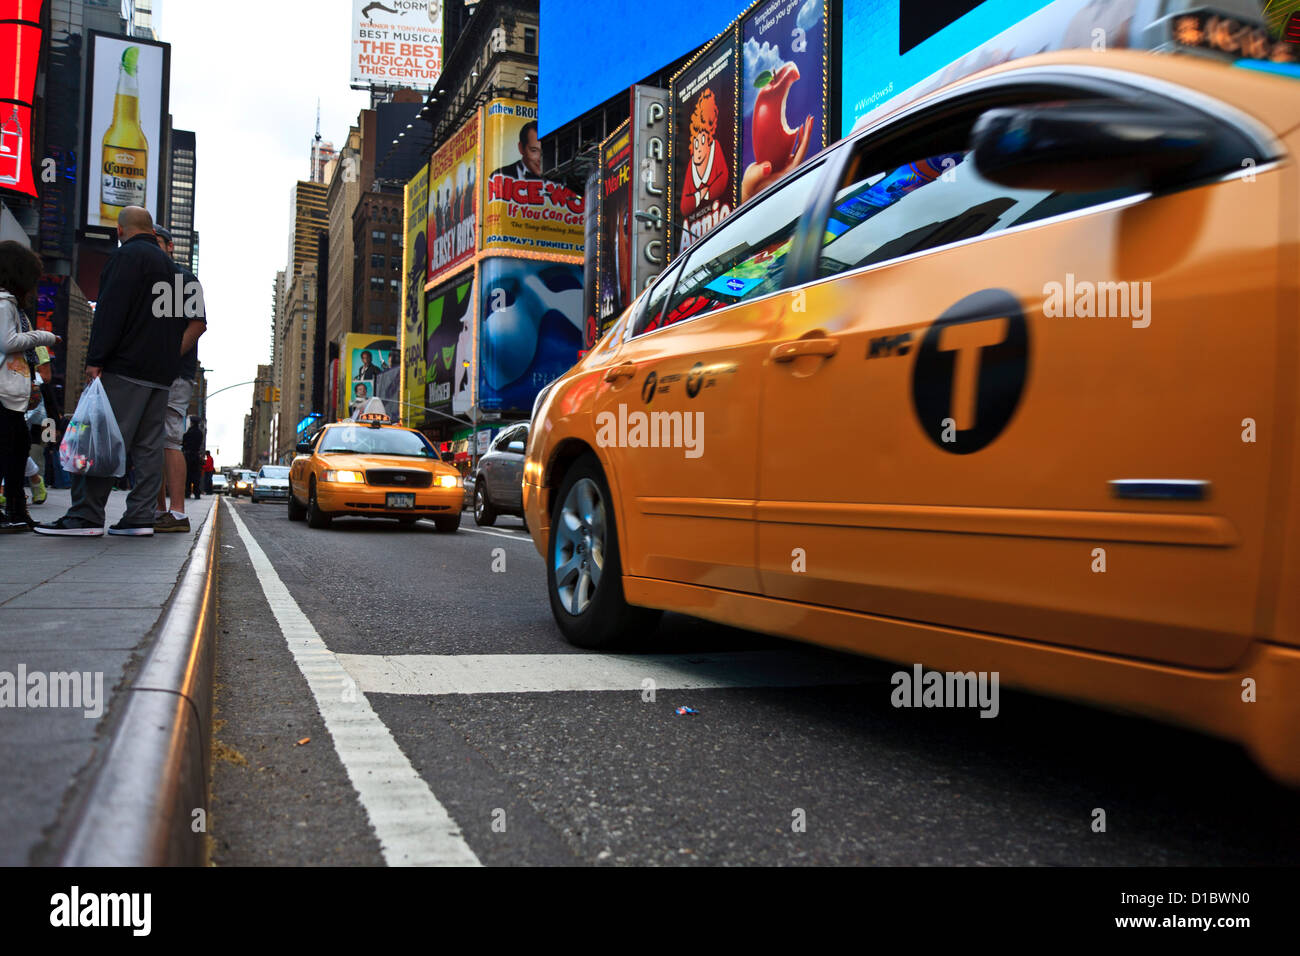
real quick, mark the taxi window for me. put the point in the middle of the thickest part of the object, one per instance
(744, 257)
(652, 312)
(932, 201)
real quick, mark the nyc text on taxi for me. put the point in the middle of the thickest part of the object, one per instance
(373, 468)
(1005, 381)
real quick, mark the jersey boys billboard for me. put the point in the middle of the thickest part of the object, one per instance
(704, 147)
(453, 173)
(522, 212)
(396, 43)
(614, 253)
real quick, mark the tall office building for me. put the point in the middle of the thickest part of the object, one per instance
(322, 151)
(180, 197)
(139, 17)
(308, 219)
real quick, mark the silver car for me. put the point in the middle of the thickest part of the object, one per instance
(271, 484)
(498, 483)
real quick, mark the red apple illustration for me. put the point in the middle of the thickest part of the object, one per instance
(774, 141)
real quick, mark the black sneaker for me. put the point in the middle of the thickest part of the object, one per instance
(8, 526)
(68, 527)
(131, 529)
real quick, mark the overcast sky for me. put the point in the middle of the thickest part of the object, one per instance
(247, 85)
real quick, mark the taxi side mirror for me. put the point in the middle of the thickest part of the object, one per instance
(1089, 145)
(303, 448)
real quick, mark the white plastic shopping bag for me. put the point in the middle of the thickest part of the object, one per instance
(93, 444)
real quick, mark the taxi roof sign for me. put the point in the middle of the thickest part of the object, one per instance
(373, 411)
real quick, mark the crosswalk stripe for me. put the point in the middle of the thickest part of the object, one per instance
(433, 674)
(413, 828)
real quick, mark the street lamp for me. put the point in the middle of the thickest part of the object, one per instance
(473, 437)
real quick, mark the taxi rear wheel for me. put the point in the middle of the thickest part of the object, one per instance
(584, 574)
(315, 517)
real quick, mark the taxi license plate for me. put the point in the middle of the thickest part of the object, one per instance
(401, 500)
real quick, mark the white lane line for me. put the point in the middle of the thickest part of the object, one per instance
(498, 534)
(413, 828)
(431, 674)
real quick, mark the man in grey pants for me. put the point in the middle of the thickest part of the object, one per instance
(136, 341)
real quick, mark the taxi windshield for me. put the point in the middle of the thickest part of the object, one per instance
(364, 440)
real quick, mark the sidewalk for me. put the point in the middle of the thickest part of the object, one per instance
(85, 605)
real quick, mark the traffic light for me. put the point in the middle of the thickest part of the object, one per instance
(266, 394)
(275, 394)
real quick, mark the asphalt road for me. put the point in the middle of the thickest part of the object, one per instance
(561, 773)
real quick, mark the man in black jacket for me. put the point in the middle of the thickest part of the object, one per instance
(140, 330)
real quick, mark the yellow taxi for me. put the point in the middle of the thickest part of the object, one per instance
(1004, 382)
(370, 467)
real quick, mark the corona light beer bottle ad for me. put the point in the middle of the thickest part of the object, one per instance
(126, 150)
(128, 104)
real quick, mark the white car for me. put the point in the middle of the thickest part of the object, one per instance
(271, 484)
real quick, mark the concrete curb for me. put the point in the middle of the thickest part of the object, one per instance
(139, 809)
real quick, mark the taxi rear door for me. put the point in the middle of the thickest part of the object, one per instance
(975, 453)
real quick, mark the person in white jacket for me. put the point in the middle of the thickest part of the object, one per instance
(20, 271)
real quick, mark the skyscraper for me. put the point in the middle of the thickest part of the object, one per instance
(180, 198)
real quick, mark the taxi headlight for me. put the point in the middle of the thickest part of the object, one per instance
(346, 477)
(449, 481)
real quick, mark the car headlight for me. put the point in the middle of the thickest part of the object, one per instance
(346, 477)
(449, 481)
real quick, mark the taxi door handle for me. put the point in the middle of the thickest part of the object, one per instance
(626, 370)
(789, 351)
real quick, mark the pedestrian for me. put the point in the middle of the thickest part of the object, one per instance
(192, 447)
(178, 404)
(209, 467)
(36, 419)
(20, 271)
(137, 338)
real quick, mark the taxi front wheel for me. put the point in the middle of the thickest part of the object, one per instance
(296, 511)
(584, 575)
(315, 517)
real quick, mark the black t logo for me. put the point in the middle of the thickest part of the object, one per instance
(970, 371)
(694, 379)
(648, 389)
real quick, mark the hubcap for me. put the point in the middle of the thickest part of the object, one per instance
(579, 552)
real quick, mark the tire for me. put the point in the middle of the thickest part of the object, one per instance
(407, 522)
(484, 514)
(447, 524)
(296, 511)
(315, 517)
(583, 517)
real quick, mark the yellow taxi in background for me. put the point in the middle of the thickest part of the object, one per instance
(1005, 382)
(375, 469)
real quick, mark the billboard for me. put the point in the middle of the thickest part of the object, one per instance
(20, 46)
(449, 344)
(415, 265)
(365, 357)
(590, 246)
(614, 253)
(397, 43)
(453, 176)
(783, 89)
(702, 128)
(126, 107)
(522, 212)
(580, 66)
(531, 329)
